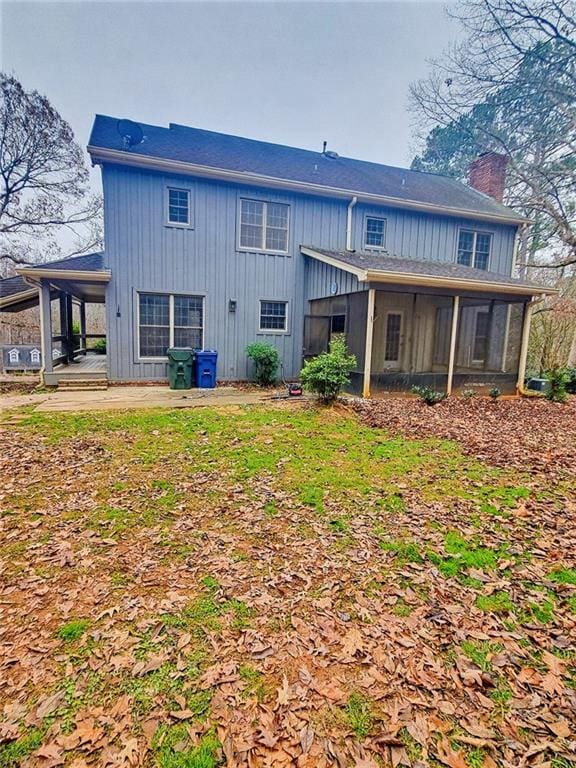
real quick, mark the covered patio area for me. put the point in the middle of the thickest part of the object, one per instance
(62, 290)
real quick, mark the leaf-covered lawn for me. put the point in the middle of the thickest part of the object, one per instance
(282, 586)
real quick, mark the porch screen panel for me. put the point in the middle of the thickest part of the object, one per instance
(154, 313)
(188, 321)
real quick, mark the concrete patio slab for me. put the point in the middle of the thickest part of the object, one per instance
(123, 398)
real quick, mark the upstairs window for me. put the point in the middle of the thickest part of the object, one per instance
(374, 232)
(273, 315)
(474, 248)
(179, 207)
(263, 226)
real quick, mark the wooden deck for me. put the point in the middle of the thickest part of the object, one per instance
(86, 367)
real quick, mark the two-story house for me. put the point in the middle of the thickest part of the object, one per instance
(216, 241)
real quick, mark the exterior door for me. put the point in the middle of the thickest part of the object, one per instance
(316, 335)
(393, 340)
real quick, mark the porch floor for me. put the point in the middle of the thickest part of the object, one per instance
(88, 366)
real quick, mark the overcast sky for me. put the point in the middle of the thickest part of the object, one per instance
(292, 73)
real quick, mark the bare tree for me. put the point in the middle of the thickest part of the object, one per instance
(44, 188)
(510, 86)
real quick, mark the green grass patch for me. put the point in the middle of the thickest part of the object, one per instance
(498, 602)
(254, 684)
(480, 653)
(73, 630)
(563, 576)
(359, 714)
(463, 554)
(172, 748)
(14, 752)
(403, 550)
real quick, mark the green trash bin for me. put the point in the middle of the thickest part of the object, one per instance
(180, 361)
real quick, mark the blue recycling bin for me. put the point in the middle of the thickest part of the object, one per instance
(205, 368)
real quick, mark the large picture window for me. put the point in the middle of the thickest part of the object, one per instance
(167, 320)
(263, 226)
(474, 248)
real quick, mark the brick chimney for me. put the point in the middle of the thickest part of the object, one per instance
(487, 174)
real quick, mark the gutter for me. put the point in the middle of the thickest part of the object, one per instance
(351, 205)
(83, 275)
(101, 155)
(16, 298)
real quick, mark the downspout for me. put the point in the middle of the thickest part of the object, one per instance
(351, 205)
(524, 346)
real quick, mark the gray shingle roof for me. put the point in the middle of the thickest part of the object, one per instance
(11, 286)
(233, 153)
(87, 262)
(369, 260)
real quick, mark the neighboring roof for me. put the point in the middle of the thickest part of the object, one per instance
(11, 286)
(16, 290)
(370, 266)
(190, 149)
(86, 262)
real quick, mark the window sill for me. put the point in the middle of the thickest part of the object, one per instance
(272, 332)
(263, 251)
(174, 225)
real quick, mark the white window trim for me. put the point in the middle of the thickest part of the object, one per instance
(475, 232)
(171, 296)
(246, 249)
(393, 363)
(275, 331)
(367, 247)
(177, 224)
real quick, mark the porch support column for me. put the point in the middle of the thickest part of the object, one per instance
(368, 346)
(83, 340)
(453, 336)
(524, 345)
(63, 325)
(69, 329)
(45, 328)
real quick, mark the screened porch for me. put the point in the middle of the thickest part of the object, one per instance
(449, 342)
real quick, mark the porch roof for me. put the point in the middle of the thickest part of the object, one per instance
(377, 267)
(85, 276)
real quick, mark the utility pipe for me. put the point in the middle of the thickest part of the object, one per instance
(351, 205)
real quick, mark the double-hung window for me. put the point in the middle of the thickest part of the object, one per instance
(167, 320)
(374, 232)
(474, 248)
(274, 316)
(263, 226)
(179, 207)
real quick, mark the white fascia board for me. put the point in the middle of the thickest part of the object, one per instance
(81, 275)
(100, 155)
(16, 298)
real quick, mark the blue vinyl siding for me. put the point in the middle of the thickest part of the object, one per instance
(145, 255)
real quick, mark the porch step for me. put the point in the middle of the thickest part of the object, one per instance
(82, 385)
